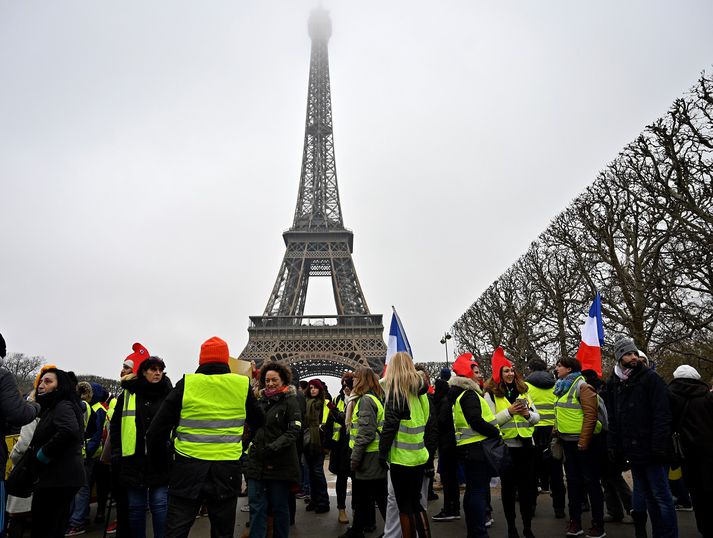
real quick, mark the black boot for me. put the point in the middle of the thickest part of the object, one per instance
(639, 524)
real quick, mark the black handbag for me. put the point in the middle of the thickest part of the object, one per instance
(497, 455)
(23, 476)
(677, 453)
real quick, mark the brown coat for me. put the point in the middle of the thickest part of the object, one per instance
(590, 407)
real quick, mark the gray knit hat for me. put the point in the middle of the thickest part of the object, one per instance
(623, 346)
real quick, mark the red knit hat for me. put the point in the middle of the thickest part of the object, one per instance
(315, 383)
(214, 350)
(498, 361)
(139, 355)
(463, 365)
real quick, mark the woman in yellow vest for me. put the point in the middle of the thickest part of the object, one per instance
(578, 427)
(315, 420)
(473, 422)
(402, 448)
(146, 485)
(516, 415)
(338, 436)
(369, 477)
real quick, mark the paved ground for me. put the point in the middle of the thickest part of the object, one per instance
(310, 525)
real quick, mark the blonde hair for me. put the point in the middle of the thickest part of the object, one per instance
(401, 379)
(365, 380)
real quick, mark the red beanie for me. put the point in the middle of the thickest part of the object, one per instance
(463, 365)
(139, 355)
(214, 350)
(316, 383)
(499, 360)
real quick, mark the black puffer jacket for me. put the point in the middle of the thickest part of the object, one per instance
(273, 452)
(444, 417)
(470, 404)
(135, 470)
(190, 475)
(59, 434)
(15, 411)
(639, 417)
(696, 425)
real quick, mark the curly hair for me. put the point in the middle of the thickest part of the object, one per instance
(282, 370)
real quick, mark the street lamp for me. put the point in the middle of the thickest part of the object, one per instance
(444, 341)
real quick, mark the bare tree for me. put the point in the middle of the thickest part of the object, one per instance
(24, 368)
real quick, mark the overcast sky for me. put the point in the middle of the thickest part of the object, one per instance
(150, 154)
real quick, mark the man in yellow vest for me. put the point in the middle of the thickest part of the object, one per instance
(550, 475)
(208, 412)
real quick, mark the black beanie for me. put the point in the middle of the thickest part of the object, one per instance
(3, 349)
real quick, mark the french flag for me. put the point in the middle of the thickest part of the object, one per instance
(397, 339)
(590, 348)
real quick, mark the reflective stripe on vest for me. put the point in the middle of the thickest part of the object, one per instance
(85, 419)
(336, 428)
(408, 448)
(354, 432)
(464, 433)
(568, 411)
(518, 426)
(544, 400)
(212, 416)
(128, 424)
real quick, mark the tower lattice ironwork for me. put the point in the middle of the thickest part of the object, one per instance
(318, 245)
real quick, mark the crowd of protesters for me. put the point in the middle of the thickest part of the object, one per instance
(180, 451)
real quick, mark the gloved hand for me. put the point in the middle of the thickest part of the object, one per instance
(429, 472)
(384, 464)
(331, 406)
(42, 457)
(354, 466)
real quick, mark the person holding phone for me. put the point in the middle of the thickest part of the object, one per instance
(507, 395)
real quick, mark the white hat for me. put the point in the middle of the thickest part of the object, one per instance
(686, 372)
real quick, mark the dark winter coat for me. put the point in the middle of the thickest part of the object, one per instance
(542, 380)
(95, 427)
(339, 452)
(189, 475)
(15, 412)
(136, 470)
(59, 434)
(639, 417)
(273, 452)
(696, 425)
(444, 418)
(470, 404)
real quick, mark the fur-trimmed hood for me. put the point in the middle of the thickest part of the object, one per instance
(465, 383)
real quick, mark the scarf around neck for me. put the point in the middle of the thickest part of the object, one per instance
(622, 373)
(563, 385)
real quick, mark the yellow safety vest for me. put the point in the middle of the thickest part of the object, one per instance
(212, 416)
(336, 428)
(96, 408)
(568, 411)
(110, 411)
(464, 433)
(354, 432)
(408, 448)
(518, 426)
(128, 425)
(544, 400)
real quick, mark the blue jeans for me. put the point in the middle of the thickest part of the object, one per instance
(477, 487)
(652, 482)
(80, 504)
(155, 498)
(273, 495)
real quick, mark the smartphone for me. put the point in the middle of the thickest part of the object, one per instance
(522, 402)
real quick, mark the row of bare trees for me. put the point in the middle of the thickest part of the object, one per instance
(641, 234)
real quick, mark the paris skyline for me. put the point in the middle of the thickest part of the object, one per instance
(150, 159)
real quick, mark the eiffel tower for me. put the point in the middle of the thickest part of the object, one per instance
(318, 245)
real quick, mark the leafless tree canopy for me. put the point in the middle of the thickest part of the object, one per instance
(641, 234)
(24, 368)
